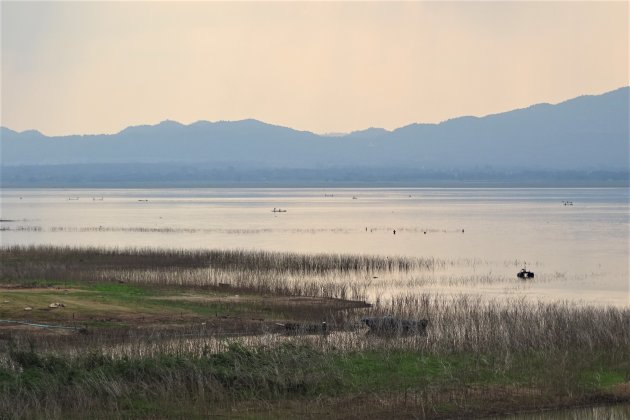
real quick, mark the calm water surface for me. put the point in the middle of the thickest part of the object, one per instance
(578, 252)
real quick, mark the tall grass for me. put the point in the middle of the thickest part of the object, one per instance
(474, 324)
(541, 353)
(457, 325)
(359, 277)
(224, 259)
(320, 275)
(550, 353)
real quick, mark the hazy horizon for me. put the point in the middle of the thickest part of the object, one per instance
(71, 68)
(331, 134)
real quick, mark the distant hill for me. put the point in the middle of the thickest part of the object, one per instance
(588, 133)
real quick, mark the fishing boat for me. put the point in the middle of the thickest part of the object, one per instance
(524, 274)
(275, 210)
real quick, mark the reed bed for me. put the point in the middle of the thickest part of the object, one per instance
(473, 347)
(357, 277)
(167, 230)
(527, 352)
(465, 323)
(224, 259)
(233, 231)
(457, 324)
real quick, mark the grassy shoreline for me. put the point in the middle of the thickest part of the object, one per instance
(187, 349)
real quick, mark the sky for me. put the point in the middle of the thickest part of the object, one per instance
(331, 67)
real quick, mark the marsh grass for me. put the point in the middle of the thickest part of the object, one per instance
(357, 277)
(223, 259)
(321, 275)
(478, 356)
(232, 231)
(238, 374)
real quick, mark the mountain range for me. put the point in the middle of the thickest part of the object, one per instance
(587, 133)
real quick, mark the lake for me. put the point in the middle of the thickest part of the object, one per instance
(483, 237)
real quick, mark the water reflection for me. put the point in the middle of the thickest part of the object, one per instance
(578, 252)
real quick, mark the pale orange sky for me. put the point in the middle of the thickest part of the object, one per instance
(325, 67)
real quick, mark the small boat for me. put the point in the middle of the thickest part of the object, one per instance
(354, 197)
(275, 210)
(523, 274)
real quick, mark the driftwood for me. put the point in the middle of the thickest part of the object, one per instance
(388, 325)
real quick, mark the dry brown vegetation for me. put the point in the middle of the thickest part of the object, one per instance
(478, 357)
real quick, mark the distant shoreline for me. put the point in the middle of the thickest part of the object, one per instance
(320, 185)
(221, 175)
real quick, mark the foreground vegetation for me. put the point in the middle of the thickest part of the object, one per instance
(271, 379)
(157, 349)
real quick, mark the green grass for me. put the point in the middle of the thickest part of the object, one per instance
(285, 372)
(604, 377)
(154, 300)
(400, 370)
(89, 302)
(369, 371)
(120, 290)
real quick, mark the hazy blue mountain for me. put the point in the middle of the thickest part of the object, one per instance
(588, 133)
(369, 133)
